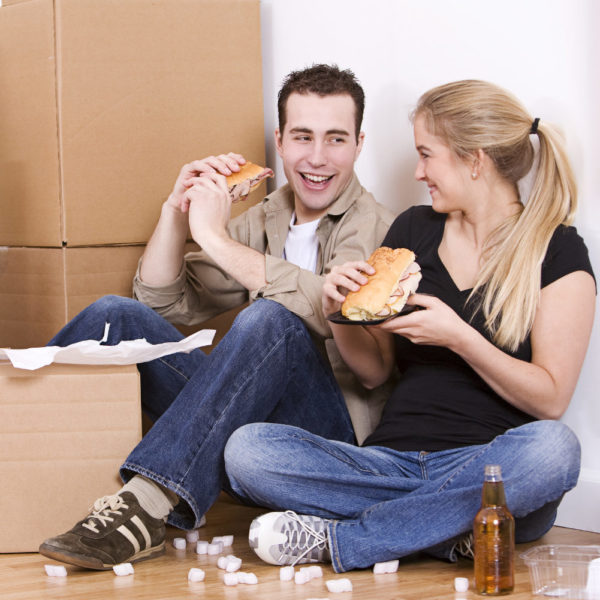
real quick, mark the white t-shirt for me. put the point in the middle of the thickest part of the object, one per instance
(302, 245)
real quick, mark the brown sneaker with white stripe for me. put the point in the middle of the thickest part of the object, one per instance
(117, 530)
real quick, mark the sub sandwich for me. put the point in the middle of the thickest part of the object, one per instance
(396, 276)
(246, 180)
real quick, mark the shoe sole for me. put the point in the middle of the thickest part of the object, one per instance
(88, 562)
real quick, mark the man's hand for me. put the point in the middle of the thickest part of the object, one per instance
(209, 205)
(192, 174)
(342, 279)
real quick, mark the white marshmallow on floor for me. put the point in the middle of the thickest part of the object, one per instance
(215, 548)
(123, 569)
(55, 570)
(226, 540)
(230, 578)
(390, 566)
(201, 547)
(179, 543)
(301, 577)
(286, 573)
(461, 584)
(314, 571)
(192, 536)
(247, 578)
(336, 586)
(195, 574)
(233, 563)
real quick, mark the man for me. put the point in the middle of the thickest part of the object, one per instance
(275, 255)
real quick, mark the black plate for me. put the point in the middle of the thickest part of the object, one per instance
(338, 317)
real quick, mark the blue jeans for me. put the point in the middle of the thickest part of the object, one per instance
(266, 368)
(386, 504)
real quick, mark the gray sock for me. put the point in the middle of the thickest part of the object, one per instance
(155, 499)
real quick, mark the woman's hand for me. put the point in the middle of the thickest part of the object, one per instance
(436, 325)
(342, 279)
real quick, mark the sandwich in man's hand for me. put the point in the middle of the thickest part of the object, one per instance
(396, 276)
(246, 180)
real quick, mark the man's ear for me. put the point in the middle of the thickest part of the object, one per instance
(359, 145)
(278, 141)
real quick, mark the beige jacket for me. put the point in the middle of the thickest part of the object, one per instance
(352, 228)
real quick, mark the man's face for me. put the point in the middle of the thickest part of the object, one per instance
(318, 147)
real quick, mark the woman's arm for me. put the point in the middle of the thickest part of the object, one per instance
(559, 340)
(369, 352)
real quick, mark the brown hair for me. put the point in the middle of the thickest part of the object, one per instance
(323, 80)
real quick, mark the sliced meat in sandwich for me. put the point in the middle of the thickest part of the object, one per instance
(246, 180)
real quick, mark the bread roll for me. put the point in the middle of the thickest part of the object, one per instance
(247, 179)
(396, 276)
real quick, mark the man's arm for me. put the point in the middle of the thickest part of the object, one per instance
(210, 211)
(163, 257)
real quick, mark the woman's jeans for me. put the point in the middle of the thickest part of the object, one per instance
(384, 504)
(266, 368)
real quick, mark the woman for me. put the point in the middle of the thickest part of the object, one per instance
(486, 368)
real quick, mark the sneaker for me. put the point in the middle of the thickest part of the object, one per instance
(117, 530)
(465, 546)
(286, 538)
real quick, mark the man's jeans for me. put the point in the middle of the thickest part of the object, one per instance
(386, 504)
(266, 368)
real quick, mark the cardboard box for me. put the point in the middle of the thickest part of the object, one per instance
(65, 431)
(42, 289)
(103, 101)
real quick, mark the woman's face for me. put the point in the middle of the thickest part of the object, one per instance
(447, 176)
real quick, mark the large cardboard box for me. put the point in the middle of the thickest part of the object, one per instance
(64, 432)
(103, 101)
(42, 289)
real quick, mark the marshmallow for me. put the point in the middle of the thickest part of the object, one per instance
(55, 570)
(247, 578)
(192, 536)
(233, 563)
(301, 577)
(215, 548)
(230, 579)
(226, 540)
(195, 574)
(179, 543)
(461, 584)
(123, 569)
(339, 585)
(386, 567)
(315, 571)
(286, 573)
(202, 521)
(201, 547)
(222, 562)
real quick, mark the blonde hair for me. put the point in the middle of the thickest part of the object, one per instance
(471, 115)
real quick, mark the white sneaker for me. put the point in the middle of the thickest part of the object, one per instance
(286, 538)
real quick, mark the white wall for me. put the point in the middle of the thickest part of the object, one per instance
(544, 51)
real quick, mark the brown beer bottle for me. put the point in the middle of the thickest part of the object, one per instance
(494, 537)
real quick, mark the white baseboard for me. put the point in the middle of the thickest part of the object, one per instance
(580, 508)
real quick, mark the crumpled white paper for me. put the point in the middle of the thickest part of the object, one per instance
(91, 352)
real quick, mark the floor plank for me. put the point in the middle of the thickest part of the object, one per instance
(22, 576)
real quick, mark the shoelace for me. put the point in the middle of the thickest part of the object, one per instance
(102, 509)
(320, 539)
(465, 546)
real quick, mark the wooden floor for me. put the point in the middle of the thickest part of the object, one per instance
(22, 576)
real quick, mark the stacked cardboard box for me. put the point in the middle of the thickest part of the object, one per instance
(102, 102)
(64, 433)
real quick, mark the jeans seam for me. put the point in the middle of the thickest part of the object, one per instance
(254, 373)
(174, 369)
(337, 456)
